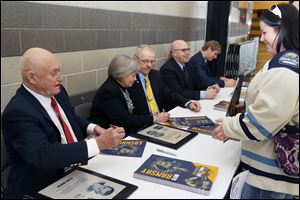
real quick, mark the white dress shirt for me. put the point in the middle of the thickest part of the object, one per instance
(92, 146)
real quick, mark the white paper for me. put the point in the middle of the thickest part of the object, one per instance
(237, 185)
(82, 185)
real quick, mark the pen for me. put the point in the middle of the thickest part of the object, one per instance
(166, 152)
(230, 139)
(226, 140)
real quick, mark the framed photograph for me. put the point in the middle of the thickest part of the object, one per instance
(80, 183)
(165, 136)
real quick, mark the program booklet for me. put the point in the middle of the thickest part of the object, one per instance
(198, 124)
(186, 175)
(165, 136)
(221, 106)
(129, 148)
(204, 129)
(80, 183)
(192, 121)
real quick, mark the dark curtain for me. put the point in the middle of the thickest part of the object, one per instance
(217, 29)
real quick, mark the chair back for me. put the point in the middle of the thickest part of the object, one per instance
(83, 110)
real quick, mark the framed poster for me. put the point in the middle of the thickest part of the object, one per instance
(80, 183)
(165, 136)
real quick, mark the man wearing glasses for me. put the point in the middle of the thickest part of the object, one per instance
(160, 97)
(177, 74)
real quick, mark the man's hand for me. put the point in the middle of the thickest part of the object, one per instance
(98, 130)
(194, 106)
(210, 93)
(223, 78)
(230, 83)
(110, 138)
(161, 117)
(216, 87)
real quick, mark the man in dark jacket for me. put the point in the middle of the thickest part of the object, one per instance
(43, 135)
(163, 97)
(209, 52)
(177, 74)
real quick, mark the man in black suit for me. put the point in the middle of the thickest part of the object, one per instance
(43, 135)
(210, 51)
(177, 74)
(164, 99)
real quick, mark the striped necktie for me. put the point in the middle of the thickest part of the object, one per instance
(150, 97)
(63, 123)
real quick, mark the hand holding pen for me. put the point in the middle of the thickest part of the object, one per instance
(108, 138)
(218, 133)
(161, 117)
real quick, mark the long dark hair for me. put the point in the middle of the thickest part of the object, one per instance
(287, 26)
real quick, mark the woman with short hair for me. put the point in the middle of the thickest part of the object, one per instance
(112, 104)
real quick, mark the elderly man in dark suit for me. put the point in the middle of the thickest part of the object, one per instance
(163, 98)
(177, 74)
(43, 135)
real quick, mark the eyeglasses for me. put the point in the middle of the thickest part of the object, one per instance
(146, 61)
(184, 50)
(275, 10)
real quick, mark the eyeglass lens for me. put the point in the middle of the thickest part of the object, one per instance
(184, 50)
(148, 61)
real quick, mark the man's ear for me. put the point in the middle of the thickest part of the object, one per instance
(31, 77)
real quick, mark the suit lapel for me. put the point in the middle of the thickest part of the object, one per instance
(139, 86)
(181, 74)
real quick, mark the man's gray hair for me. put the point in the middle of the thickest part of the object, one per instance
(142, 47)
(121, 66)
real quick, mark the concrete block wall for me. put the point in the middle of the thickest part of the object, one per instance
(85, 36)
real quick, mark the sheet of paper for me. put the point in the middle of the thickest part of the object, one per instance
(237, 185)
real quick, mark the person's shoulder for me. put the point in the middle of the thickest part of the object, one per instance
(155, 75)
(196, 56)
(109, 83)
(108, 88)
(286, 59)
(169, 63)
(153, 72)
(21, 103)
(13, 102)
